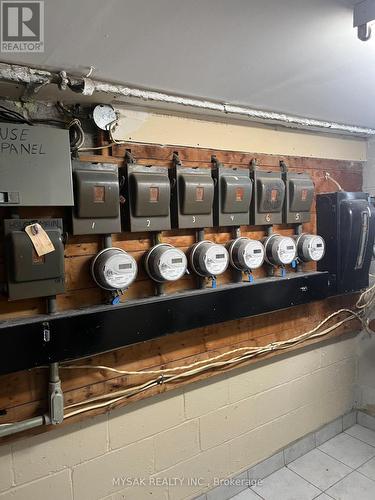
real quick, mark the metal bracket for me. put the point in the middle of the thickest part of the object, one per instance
(253, 165)
(46, 331)
(129, 157)
(215, 162)
(283, 166)
(176, 159)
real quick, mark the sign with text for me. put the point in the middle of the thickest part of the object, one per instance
(22, 26)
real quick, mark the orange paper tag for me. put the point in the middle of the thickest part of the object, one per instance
(39, 239)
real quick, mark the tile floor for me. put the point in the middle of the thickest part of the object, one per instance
(342, 468)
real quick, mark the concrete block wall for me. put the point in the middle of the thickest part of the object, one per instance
(180, 444)
(366, 343)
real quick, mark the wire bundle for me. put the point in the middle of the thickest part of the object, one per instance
(236, 356)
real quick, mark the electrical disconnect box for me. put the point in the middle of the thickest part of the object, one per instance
(299, 195)
(28, 274)
(192, 197)
(268, 197)
(346, 221)
(233, 192)
(97, 198)
(146, 196)
(35, 166)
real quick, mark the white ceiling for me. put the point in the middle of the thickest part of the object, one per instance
(296, 56)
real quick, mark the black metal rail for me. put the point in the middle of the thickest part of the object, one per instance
(75, 334)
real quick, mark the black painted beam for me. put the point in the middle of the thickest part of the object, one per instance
(32, 342)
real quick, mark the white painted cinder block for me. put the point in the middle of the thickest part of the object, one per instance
(145, 418)
(205, 396)
(141, 493)
(238, 420)
(38, 456)
(338, 350)
(108, 474)
(254, 379)
(57, 487)
(198, 473)
(176, 445)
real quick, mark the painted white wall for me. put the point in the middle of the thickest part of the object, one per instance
(296, 56)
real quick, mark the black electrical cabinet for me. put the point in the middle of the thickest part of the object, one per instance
(346, 221)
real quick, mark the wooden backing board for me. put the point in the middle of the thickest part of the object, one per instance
(23, 394)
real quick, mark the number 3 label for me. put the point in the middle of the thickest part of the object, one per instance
(194, 219)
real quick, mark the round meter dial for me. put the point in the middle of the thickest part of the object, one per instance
(310, 247)
(280, 250)
(104, 115)
(165, 263)
(208, 258)
(246, 254)
(114, 269)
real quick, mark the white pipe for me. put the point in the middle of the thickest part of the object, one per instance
(87, 87)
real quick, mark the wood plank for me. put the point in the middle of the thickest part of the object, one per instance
(23, 394)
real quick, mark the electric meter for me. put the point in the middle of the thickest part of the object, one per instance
(246, 254)
(114, 269)
(310, 247)
(104, 115)
(165, 263)
(279, 250)
(208, 258)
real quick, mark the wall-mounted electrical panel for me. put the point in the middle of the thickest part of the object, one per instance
(268, 197)
(299, 195)
(96, 199)
(233, 192)
(346, 221)
(29, 275)
(146, 196)
(35, 166)
(192, 197)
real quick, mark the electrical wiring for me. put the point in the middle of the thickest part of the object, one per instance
(364, 302)
(127, 393)
(13, 116)
(77, 135)
(257, 349)
(113, 141)
(94, 148)
(328, 177)
(108, 400)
